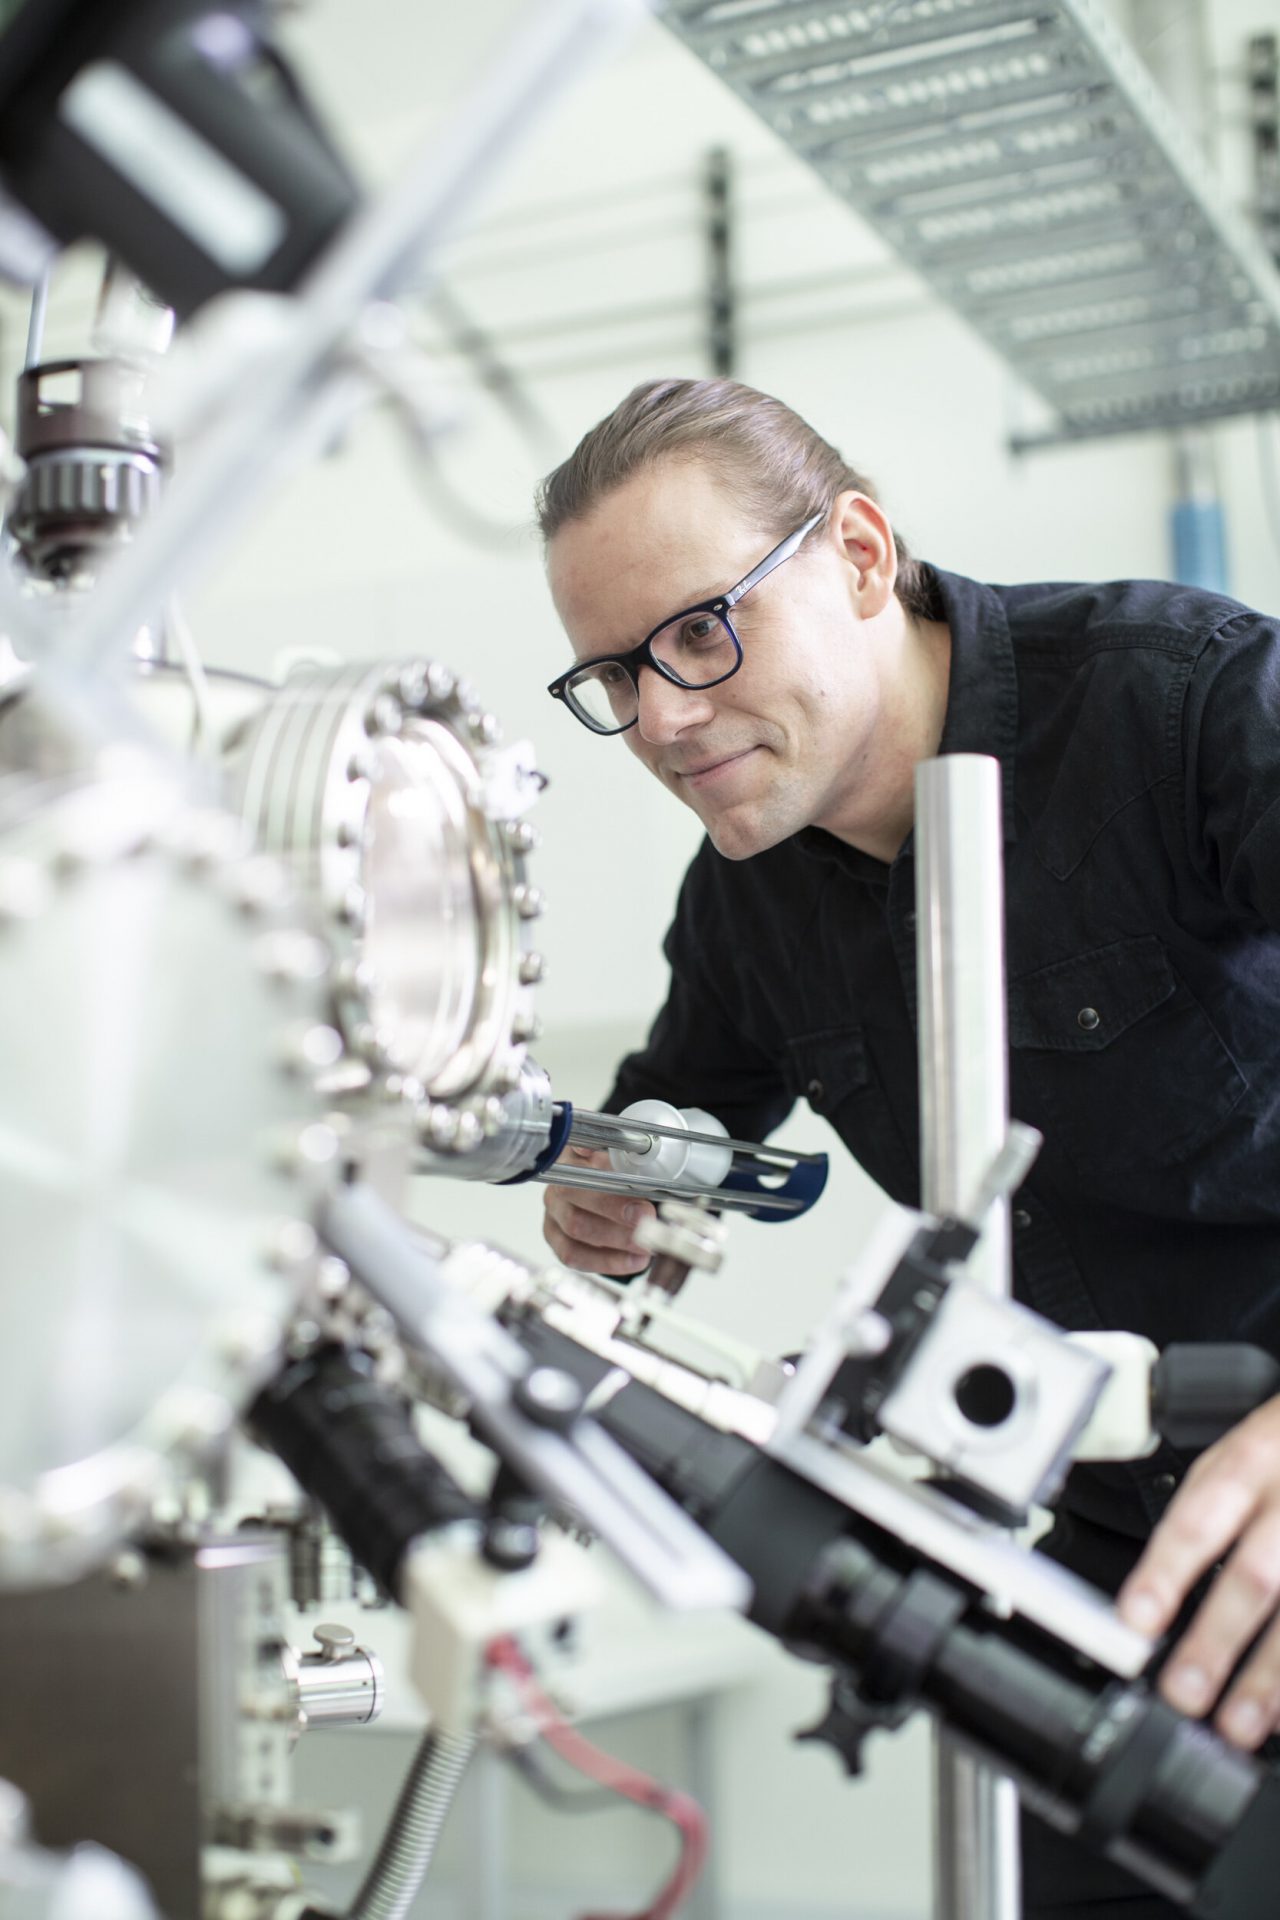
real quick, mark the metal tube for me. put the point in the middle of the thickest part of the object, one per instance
(964, 1116)
(607, 1181)
(35, 324)
(964, 1079)
(409, 1843)
(618, 1130)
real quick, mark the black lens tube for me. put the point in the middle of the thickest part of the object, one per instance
(1099, 1758)
(351, 1445)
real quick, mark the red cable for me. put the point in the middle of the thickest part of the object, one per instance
(628, 1782)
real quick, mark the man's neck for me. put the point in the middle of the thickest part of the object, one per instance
(915, 726)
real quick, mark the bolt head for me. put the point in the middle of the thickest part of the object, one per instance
(549, 1396)
(384, 716)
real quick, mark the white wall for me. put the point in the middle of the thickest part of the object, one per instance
(599, 210)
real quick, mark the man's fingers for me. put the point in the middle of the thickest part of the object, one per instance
(590, 1258)
(594, 1229)
(595, 1232)
(609, 1206)
(1240, 1602)
(1252, 1708)
(1206, 1516)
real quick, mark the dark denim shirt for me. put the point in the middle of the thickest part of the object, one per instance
(1138, 728)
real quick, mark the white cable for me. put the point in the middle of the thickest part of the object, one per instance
(189, 655)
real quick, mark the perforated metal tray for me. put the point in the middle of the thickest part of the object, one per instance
(1020, 158)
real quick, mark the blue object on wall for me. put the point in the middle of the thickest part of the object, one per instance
(1200, 545)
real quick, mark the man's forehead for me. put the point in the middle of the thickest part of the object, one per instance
(660, 542)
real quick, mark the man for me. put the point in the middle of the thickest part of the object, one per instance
(743, 617)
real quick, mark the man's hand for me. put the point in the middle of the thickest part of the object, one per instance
(595, 1231)
(1228, 1504)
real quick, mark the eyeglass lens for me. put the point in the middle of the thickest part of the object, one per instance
(696, 650)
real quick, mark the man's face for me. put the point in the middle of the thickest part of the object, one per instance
(791, 740)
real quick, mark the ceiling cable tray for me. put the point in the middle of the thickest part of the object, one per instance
(1021, 159)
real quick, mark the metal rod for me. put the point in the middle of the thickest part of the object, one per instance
(724, 1198)
(612, 1127)
(35, 325)
(964, 1117)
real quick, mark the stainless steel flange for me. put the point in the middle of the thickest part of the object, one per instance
(162, 1147)
(387, 788)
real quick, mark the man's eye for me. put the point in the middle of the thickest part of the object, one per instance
(702, 631)
(612, 677)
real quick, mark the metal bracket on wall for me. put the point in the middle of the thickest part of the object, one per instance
(1019, 156)
(1264, 125)
(722, 306)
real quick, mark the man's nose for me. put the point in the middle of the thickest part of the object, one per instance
(666, 710)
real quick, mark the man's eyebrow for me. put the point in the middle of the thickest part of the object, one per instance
(685, 606)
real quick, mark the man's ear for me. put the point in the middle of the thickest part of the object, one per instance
(862, 527)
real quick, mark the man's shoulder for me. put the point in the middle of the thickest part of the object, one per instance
(1080, 618)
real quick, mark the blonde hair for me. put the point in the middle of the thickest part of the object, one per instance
(778, 468)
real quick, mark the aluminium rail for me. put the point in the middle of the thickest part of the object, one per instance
(1018, 155)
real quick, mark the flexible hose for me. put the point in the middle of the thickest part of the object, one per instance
(409, 1843)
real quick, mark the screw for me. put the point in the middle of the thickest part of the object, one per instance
(550, 1396)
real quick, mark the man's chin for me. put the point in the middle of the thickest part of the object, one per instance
(739, 834)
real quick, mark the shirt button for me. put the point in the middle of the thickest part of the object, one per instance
(814, 1091)
(909, 921)
(1165, 1484)
(1020, 1217)
(1088, 1018)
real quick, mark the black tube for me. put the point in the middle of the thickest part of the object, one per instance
(352, 1446)
(1099, 1758)
(1200, 1390)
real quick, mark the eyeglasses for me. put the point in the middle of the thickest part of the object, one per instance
(694, 648)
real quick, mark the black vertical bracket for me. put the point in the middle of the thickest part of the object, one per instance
(1264, 125)
(717, 201)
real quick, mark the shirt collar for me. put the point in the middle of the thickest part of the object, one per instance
(982, 699)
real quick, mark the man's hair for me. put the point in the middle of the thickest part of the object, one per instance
(779, 469)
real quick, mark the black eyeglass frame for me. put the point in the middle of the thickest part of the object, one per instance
(643, 655)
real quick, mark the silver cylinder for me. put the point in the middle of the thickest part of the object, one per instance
(964, 1076)
(964, 1115)
(341, 1685)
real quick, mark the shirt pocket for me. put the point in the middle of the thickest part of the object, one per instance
(1126, 1066)
(834, 1071)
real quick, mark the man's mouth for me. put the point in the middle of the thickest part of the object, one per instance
(707, 772)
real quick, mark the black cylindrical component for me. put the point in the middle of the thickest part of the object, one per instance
(171, 131)
(352, 1446)
(1199, 1391)
(1099, 1758)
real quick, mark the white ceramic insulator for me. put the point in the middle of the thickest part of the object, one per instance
(684, 1163)
(1120, 1425)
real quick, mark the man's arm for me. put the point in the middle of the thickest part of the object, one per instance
(695, 1056)
(1228, 1508)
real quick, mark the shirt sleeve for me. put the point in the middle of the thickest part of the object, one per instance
(1233, 766)
(697, 1053)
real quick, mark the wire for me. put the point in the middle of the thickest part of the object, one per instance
(176, 627)
(513, 399)
(566, 1799)
(627, 1782)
